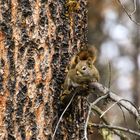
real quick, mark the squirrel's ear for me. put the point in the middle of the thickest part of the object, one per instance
(93, 53)
(93, 60)
(73, 62)
(77, 59)
(89, 61)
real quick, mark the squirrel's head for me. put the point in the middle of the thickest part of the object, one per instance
(85, 67)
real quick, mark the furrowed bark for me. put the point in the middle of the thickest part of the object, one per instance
(36, 44)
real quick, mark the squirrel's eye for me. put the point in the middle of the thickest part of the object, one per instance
(84, 68)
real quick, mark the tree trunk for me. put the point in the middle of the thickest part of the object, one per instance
(36, 43)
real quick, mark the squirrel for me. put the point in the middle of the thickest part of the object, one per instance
(80, 73)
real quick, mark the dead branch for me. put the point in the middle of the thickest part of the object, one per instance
(116, 128)
(123, 102)
(129, 15)
(89, 111)
(104, 119)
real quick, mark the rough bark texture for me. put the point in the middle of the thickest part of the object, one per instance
(36, 42)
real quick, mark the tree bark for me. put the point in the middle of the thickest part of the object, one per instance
(36, 43)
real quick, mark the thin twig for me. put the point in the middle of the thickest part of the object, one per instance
(124, 117)
(116, 127)
(110, 76)
(86, 124)
(89, 111)
(110, 70)
(109, 108)
(125, 103)
(114, 105)
(62, 116)
(135, 7)
(99, 99)
(129, 15)
(99, 112)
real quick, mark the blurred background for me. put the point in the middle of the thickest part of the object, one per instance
(117, 38)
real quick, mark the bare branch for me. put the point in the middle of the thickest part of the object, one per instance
(116, 128)
(110, 76)
(104, 119)
(124, 103)
(114, 105)
(100, 112)
(89, 111)
(130, 15)
(108, 109)
(135, 5)
(86, 124)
